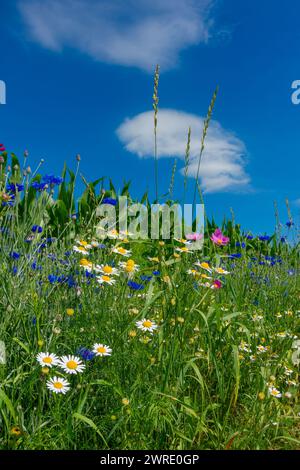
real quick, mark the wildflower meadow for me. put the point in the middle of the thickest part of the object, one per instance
(121, 342)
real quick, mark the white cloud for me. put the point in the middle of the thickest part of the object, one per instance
(224, 158)
(138, 33)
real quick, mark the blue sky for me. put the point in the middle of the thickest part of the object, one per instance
(79, 78)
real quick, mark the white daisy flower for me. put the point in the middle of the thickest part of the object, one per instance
(71, 364)
(107, 269)
(274, 392)
(129, 266)
(80, 249)
(262, 349)
(106, 280)
(94, 244)
(102, 349)
(58, 385)
(183, 240)
(121, 251)
(47, 360)
(204, 265)
(113, 234)
(221, 271)
(182, 249)
(146, 325)
(83, 243)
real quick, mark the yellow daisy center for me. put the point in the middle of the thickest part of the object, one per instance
(147, 323)
(107, 269)
(130, 262)
(129, 269)
(84, 262)
(205, 265)
(72, 365)
(83, 243)
(47, 360)
(105, 278)
(58, 385)
(121, 250)
(101, 349)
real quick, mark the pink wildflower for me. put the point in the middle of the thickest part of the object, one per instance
(194, 236)
(218, 238)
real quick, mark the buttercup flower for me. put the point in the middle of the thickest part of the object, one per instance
(58, 385)
(71, 364)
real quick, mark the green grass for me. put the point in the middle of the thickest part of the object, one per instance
(189, 385)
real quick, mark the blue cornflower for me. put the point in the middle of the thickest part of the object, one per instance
(36, 267)
(52, 278)
(36, 229)
(156, 273)
(289, 224)
(15, 187)
(283, 240)
(109, 200)
(15, 270)
(15, 255)
(85, 353)
(249, 237)
(235, 255)
(38, 186)
(264, 238)
(146, 278)
(52, 180)
(242, 245)
(135, 286)
(33, 321)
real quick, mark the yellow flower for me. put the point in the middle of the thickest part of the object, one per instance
(180, 320)
(40, 343)
(161, 243)
(125, 401)
(261, 396)
(176, 255)
(16, 431)
(70, 311)
(132, 334)
(113, 417)
(45, 370)
(84, 262)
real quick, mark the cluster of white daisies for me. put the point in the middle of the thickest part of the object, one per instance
(70, 364)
